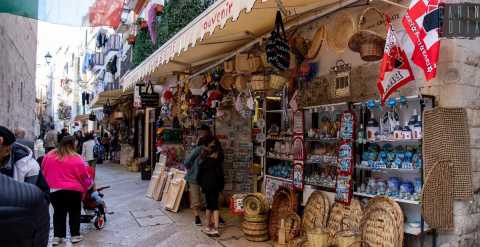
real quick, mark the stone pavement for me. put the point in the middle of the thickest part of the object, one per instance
(140, 221)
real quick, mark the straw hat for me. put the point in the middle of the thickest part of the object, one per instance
(369, 40)
(340, 28)
(227, 82)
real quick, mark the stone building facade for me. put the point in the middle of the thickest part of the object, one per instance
(18, 37)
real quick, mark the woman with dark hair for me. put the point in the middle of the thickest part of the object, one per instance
(106, 145)
(211, 180)
(67, 176)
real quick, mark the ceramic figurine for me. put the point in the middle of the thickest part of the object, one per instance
(397, 132)
(406, 132)
(372, 128)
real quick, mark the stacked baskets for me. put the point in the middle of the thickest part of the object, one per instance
(255, 225)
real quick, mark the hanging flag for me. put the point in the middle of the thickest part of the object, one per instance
(422, 23)
(67, 12)
(395, 71)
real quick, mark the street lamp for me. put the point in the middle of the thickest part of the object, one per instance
(48, 58)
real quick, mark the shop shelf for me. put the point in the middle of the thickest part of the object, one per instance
(393, 198)
(276, 158)
(321, 187)
(288, 180)
(360, 167)
(321, 163)
(398, 142)
(322, 140)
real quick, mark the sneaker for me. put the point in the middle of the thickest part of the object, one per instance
(213, 233)
(76, 239)
(198, 221)
(56, 241)
(206, 230)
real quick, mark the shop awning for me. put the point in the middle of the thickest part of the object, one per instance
(112, 95)
(222, 28)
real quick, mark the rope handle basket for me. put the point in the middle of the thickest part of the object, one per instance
(361, 19)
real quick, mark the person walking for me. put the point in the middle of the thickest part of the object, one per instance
(191, 162)
(25, 219)
(20, 134)
(50, 141)
(88, 148)
(106, 145)
(67, 175)
(16, 160)
(79, 139)
(211, 180)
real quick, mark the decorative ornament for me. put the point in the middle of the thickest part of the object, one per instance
(392, 102)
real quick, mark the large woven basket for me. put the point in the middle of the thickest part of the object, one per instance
(255, 204)
(392, 207)
(293, 225)
(345, 217)
(379, 228)
(277, 81)
(370, 43)
(339, 31)
(254, 229)
(284, 202)
(316, 211)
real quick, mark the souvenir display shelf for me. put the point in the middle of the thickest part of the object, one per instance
(387, 162)
(321, 145)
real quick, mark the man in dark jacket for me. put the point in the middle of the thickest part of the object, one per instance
(24, 215)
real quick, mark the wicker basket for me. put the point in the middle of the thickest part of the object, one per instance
(284, 202)
(227, 81)
(368, 42)
(255, 204)
(293, 225)
(241, 83)
(348, 239)
(256, 218)
(379, 228)
(261, 238)
(318, 238)
(254, 229)
(339, 30)
(277, 82)
(259, 82)
(316, 211)
(392, 208)
(229, 66)
(345, 217)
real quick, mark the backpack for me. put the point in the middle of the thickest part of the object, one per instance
(96, 150)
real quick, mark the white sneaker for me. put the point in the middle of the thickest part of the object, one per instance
(56, 241)
(76, 239)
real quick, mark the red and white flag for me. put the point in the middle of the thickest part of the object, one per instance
(395, 71)
(422, 23)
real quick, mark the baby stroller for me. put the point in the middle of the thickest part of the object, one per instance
(94, 208)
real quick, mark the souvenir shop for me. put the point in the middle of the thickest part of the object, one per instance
(328, 138)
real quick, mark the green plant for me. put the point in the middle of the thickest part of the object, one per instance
(143, 47)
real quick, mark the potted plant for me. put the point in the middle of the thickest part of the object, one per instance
(142, 23)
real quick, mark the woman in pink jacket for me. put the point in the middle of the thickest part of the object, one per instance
(67, 176)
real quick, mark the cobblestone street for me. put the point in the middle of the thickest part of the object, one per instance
(134, 218)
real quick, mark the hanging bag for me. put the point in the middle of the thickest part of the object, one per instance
(148, 97)
(278, 50)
